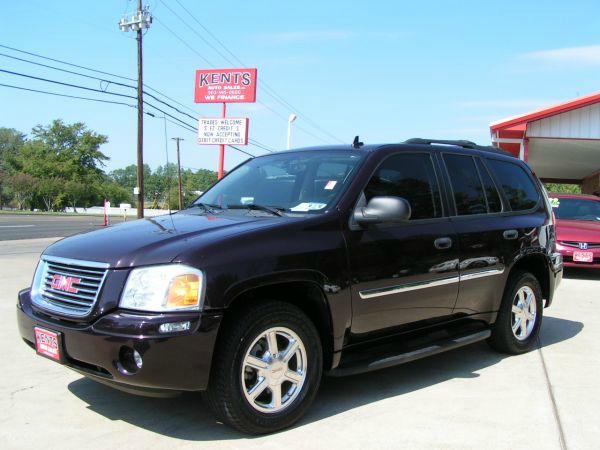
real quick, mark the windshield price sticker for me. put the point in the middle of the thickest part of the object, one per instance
(305, 207)
(229, 131)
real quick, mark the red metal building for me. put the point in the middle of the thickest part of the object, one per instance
(561, 143)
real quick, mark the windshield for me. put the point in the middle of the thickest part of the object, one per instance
(306, 182)
(575, 208)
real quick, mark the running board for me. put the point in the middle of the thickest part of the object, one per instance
(357, 367)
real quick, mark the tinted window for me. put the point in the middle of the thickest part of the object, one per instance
(466, 185)
(491, 193)
(410, 176)
(296, 182)
(517, 185)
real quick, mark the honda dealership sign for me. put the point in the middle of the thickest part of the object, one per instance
(225, 86)
(226, 131)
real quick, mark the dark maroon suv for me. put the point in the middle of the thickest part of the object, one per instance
(335, 260)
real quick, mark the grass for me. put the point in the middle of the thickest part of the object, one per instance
(45, 213)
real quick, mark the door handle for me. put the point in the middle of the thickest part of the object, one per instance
(442, 243)
(510, 235)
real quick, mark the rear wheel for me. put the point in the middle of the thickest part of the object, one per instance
(267, 368)
(520, 317)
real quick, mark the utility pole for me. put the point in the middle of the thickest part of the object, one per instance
(177, 139)
(138, 23)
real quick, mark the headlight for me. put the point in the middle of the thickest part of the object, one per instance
(172, 287)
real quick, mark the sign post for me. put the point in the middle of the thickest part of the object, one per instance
(222, 148)
(224, 86)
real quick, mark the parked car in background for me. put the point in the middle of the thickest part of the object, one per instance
(577, 229)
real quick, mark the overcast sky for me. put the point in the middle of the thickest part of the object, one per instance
(386, 70)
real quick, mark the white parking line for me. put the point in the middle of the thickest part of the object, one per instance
(16, 226)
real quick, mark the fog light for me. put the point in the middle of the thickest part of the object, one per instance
(137, 359)
(174, 327)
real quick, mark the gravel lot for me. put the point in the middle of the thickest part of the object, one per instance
(469, 398)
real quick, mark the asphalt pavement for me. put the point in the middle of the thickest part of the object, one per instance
(470, 398)
(35, 226)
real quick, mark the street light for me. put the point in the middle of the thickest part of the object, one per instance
(290, 120)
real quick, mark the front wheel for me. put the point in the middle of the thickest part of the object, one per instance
(267, 368)
(520, 317)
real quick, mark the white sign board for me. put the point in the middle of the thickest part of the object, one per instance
(125, 206)
(224, 131)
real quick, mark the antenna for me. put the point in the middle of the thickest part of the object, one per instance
(357, 143)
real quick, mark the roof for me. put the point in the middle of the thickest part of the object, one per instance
(579, 196)
(518, 123)
(413, 143)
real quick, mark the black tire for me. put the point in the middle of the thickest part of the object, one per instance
(232, 378)
(503, 338)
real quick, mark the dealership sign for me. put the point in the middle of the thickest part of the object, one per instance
(223, 131)
(225, 86)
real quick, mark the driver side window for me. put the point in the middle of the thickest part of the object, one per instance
(412, 177)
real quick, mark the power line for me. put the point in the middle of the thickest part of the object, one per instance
(116, 83)
(184, 42)
(213, 66)
(197, 34)
(183, 126)
(67, 63)
(257, 143)
(94, 70)
(178, 122)
(67, 84)
(269, 90)
(65, 95)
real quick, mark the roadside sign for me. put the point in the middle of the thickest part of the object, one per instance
(225, 86)
(223, 131)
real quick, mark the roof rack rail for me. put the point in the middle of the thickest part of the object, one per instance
(458, 143)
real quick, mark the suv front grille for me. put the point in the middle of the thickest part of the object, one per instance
(68, 287)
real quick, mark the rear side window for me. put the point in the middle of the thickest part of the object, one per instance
(469, 197)
(412, 177)
(491, 193)
(516, 184)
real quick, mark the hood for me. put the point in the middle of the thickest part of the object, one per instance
(154, 240)
(578, 230)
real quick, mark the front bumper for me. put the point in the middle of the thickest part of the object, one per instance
(172, 362)
(567, 253)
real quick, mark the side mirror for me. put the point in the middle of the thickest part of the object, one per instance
(383, 210)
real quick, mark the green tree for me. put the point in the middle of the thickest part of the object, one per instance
(69, 152)
(49, 190)
(563, 188)
(73, 145)
(75, 191)
(201, 180)
(113, 192)
(11, 142)
(23, 187)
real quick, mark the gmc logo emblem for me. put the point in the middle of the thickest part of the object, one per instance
(62, 283)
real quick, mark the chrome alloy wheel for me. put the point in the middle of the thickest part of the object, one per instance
(524, 312)
(274, 370)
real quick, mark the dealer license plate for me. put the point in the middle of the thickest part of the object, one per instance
(47, 343)
(583, 256)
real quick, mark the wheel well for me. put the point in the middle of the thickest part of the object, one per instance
(307, 296)
(538, 267)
